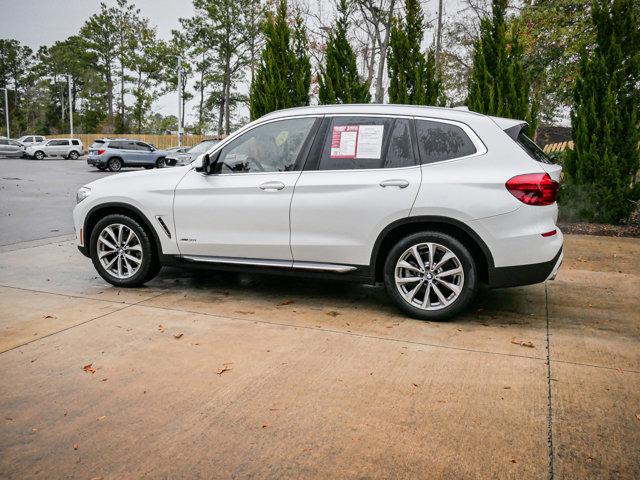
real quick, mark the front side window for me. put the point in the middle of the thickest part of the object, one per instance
(273, 147)
(440, 141)
(4, 142)
(143, 147)
(367, 143)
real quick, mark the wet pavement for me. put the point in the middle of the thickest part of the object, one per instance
(220, 375)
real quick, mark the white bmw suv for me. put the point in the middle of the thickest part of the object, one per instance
(428, 201)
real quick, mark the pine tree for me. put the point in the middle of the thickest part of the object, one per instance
(412, 76)
(340, 82)
(283, 76)
(601, 167)
(498, 84)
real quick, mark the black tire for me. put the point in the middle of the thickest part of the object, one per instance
(149, 266)
(114, 164)
(39, 155)
(148, 167)
(73, 155)
(161, 162)
(469, 285)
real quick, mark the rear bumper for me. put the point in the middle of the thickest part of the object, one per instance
(518, 275)
(95, 160)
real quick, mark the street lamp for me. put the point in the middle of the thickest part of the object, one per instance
(6, 110)
(70, 106)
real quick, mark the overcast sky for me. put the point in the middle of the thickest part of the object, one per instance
(43, 22)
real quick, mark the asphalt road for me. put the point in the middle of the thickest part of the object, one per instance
(37, 197)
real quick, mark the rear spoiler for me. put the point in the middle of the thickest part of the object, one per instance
(510, 126)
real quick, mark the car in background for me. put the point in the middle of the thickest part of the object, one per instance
(28, 140)
(11, 148)
(177, 150)
(67, 148)
(185, 158)
(116, 153)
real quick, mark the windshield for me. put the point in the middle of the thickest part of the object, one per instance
(202, 147)
(533, 149)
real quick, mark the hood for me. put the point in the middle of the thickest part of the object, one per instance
(141, 179)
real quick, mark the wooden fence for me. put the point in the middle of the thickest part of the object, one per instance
(558, 147)
(160, 141)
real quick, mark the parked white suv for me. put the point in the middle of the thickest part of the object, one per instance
(428, 201)
(56, 147)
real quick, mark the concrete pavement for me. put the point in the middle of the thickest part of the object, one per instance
(218, 375)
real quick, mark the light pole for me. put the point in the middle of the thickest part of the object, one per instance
(179, 102)
(6, 111)
(70, 107)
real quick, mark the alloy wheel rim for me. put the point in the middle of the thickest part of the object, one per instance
(115, 164)
(429, 276)
(119, 251)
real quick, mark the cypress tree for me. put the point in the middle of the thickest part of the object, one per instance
(604, 160)
(340, 82)
(412, 76)
(498, 84)
(282, 79)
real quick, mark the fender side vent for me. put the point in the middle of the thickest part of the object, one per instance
(163, 225)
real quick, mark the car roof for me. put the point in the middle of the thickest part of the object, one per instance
(459, 114)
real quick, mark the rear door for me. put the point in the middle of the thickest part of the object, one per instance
(362, 175)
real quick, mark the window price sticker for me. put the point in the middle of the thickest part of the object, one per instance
(357, 141)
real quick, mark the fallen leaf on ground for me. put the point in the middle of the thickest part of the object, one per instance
(49, 316)
(264, 425)
(333, 313)
(415, 384)
(76, 446)
(89, 369)
(522, 343)
(638, 416)
(177, 335)
(34, 429)
(225, 368)
(161, 328)
(286, 302)
(102, 417)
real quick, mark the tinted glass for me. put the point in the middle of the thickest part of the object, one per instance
(58, 143)
(532, 149)
(400, 151)
(202, 146)
(143, 146)
(439, 141)
(97, 143)
(356, 143)
(75, 142)
(28, 139)
(273, 147)
(4, 142)
(39, 139)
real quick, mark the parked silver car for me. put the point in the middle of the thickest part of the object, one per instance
(185, 158)
(28, 140)
(57, 147)
(11, 148)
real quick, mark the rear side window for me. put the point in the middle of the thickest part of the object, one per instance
(39, 139)
(75, 142)
(532, 149)
(354, 143)
(440, 141)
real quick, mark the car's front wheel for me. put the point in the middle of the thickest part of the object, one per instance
(431, 276)
(122, 251)
(39, 155)
(161, 162)
(114, 164)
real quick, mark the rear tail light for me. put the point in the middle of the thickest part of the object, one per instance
(533, 188)
(101, 151)
(550, 233)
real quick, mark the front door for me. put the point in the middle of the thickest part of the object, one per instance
(365, 176)
(242, 212)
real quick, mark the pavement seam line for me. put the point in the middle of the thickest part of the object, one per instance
(11, 247)
(128, 305)
(549, 397)
(267, 322)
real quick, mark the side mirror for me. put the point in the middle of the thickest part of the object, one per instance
(206, 163)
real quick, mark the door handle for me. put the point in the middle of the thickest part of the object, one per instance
(397, 182)
(271, 186)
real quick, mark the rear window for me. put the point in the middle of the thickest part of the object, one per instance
(97, 143)
(532, 149)
(440, 141)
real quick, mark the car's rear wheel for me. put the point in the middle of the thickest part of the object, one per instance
(73, 155)
(122, 251)
(114, 164)
(161, 162)
(39, 155)
(431, 276)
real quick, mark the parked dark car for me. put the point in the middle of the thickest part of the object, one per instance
(116, 153)
(185, 158)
